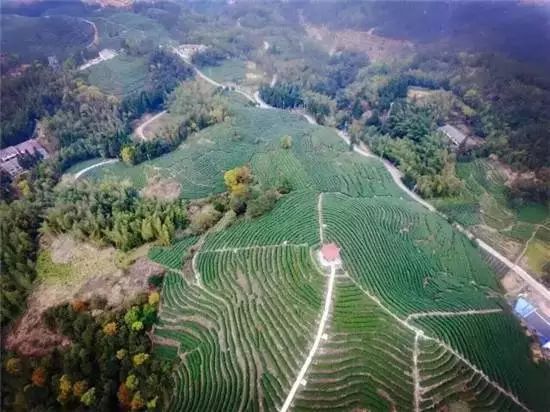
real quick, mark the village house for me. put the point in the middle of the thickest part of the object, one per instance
(534, 321)
(9, 157)
(456, 137)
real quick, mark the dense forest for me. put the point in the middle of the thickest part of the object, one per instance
(109, 364)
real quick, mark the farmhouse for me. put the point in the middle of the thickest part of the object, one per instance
(10, 155)
(535, 321)
(453, 134)
(186, 51)
(330, 255)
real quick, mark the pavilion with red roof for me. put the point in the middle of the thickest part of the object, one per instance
(330, 254)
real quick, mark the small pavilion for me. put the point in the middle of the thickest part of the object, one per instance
(329, 255)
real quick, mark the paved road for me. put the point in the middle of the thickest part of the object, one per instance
(87, 169)
(139, 130)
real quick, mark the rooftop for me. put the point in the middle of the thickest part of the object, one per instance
(330, 252)
(456, 136)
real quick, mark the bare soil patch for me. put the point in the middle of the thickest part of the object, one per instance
(100, 272)
(162, 189)
(377, 47)
(512, 283)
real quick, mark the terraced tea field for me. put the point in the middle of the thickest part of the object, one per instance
(317, 160)
(120, 76)
(413, 319)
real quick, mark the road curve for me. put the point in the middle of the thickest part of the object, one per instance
(139, 130)
(87, 169)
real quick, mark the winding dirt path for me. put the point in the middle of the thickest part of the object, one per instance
(87, 169)
(139, 130)
(448, 314)
(95, 40)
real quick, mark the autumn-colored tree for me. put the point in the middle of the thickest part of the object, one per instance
(237, 180)
(13, 366)
(88, 398)
(124, 395)
(140, 358)
(128, 155)
(132, 315)
(286, 142)
(152, 404)
(137, 325)
(137, 402)
(121, 354)
(65, 389)
(79, 305)
(38, 377)
(132, 382)
(154, 298)
(79, 388)
(110, 329)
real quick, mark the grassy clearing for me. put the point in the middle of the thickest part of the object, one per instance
(537, 254)
(120, 76)
(47, 270)
(231, 70)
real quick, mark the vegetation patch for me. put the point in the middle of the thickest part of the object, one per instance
(33, 38)
(120, 76)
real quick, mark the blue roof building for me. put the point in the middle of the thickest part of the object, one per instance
(534, 320)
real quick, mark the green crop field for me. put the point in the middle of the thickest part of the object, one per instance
(243, 316)
(114, 27)
(241, 313)
(231, 70)
(40, 37)
(119, 76)
(240, 338)
(317, 159)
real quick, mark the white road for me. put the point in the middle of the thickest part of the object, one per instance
(87, 169)
(315, 346)
(139, 130)
(95, 39)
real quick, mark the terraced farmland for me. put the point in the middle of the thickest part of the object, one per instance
(240, 340)
(414, 324)
(432, 267)
(318, 159)
(413, 320)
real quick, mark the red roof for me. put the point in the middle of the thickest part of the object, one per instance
(330, 252)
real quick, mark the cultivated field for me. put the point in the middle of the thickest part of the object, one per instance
(415, 316)
(119, 76)
(318, 159)
(483, 206)
(116, 27)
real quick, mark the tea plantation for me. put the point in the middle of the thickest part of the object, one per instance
(416, 319)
